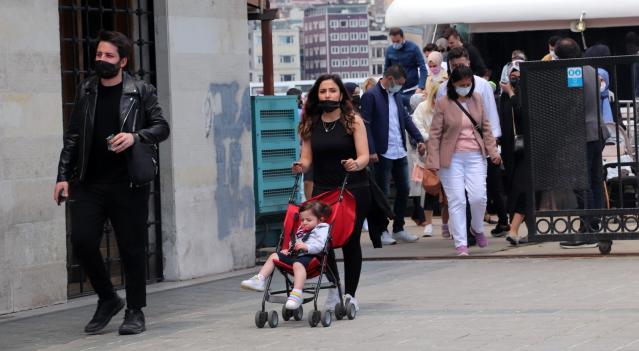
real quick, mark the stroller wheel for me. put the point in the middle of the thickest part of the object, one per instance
(327, 318)
(273, 319)
(351, 312)
(340, 311)
(314, 318)
(260, 319)
(298, 313)
(286, 314)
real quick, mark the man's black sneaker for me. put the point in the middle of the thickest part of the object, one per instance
(500, 230)
(577, 245)
(103, 314)
(133, 322)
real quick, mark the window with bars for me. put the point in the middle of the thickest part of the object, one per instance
(80, 23)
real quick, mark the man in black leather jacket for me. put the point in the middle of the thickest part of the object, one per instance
(112, 112)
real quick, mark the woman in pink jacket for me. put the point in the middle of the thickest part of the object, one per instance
(460, 141)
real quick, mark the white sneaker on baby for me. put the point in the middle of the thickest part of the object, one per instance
(255, 283)
(294, 300)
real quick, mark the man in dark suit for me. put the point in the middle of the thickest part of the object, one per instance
(387, 125)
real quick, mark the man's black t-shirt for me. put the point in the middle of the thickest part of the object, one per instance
(106, 167)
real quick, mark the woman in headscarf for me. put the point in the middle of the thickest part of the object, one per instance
(512, 124)
(436, 70)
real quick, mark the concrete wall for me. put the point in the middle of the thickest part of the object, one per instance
(32, 228)
(207, 169)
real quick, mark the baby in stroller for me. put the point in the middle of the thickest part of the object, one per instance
(310, 239)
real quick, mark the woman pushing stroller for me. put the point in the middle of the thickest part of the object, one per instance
(309, 241)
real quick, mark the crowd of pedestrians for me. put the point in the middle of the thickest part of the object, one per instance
(435, 110)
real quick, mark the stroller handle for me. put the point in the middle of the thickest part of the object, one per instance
(291, 199)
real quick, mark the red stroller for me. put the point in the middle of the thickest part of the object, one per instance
(341, 223)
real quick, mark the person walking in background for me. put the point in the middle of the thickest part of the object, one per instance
(455, 41)
(552, 41)
(388, 123)
(428, 48)
(460, 140)
(406, 54)
(596, 134)
(515, 57)
(416, 169)
(512, 127)
(423, 118)
(369, 83)
(334, 143)
(437, 69)
(355, 92)
(112, 112)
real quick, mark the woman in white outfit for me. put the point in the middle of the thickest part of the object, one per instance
(422, 118)
(460, 138)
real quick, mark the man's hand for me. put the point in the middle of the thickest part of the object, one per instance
(60, 192)
(373, 158)
(284, 252)
(496, 160)
(300, 246)
(121, 142)
(419, 91)
(421, 148)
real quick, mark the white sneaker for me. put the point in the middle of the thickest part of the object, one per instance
(387, 239)
(254, 283)
(348, 298)
(294, 301)
(404, 236)
(365, 225)
(332, 299)
(428, 230)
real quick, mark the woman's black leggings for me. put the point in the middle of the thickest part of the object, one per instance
(352, 250)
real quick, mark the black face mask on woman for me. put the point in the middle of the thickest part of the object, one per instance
(106, 70)
(328, 105)
(357, 100)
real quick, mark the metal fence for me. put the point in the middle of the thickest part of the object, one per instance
(562, 191)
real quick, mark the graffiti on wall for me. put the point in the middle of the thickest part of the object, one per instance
(227, 117)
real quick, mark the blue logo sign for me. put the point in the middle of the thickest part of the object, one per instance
(575, 77)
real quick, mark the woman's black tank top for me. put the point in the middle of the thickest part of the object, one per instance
(329, 149)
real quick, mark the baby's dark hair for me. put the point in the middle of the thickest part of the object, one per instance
(319, 210)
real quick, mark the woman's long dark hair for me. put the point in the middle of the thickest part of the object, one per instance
(313, 114)
(459, 73)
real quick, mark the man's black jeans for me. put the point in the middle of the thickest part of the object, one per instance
(127, 208)
(386, 169)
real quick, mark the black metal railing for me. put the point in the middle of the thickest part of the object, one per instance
(563, 189)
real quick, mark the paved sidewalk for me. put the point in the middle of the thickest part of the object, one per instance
(463, 304)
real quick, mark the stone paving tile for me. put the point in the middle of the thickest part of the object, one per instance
(503, 304)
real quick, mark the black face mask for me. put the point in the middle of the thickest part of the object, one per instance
(106, 70)
(514, 82)
(328, 105)
(356, 100)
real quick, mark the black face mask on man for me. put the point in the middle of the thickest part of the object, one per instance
(106, 70)
(328, 105)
